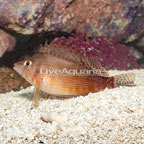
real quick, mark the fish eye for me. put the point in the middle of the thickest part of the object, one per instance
(28, 63)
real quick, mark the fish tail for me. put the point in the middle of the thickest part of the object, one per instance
(124, 80)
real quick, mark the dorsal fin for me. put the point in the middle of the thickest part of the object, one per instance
(61, 51)
(91, 62)
(72, 55)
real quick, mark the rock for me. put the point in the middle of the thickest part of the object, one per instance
(23, 16)
(10, 80)
(7, 42)
(122, 19)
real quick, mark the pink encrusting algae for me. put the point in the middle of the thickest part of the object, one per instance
(110, 53)
(45, 71)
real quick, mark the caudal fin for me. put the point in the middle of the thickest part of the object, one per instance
(124, 80)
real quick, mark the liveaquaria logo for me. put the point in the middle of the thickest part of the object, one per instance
(73, 72)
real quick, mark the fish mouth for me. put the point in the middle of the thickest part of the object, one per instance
(15, 68)
(18, 67)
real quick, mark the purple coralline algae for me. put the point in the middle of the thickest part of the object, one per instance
(109, 53)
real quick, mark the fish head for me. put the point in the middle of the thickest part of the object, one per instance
(26, 69)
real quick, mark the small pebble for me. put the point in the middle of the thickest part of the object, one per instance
(53, 117)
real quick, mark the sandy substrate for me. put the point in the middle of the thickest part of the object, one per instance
(111, 116)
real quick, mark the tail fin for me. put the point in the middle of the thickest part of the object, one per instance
(124, 80)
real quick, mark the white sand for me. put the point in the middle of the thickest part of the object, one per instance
(111, 116)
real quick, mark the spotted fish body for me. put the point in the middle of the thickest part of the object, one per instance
(56, 56)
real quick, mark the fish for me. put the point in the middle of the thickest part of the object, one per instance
(62, 71)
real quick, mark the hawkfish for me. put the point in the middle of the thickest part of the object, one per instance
(62, 71)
